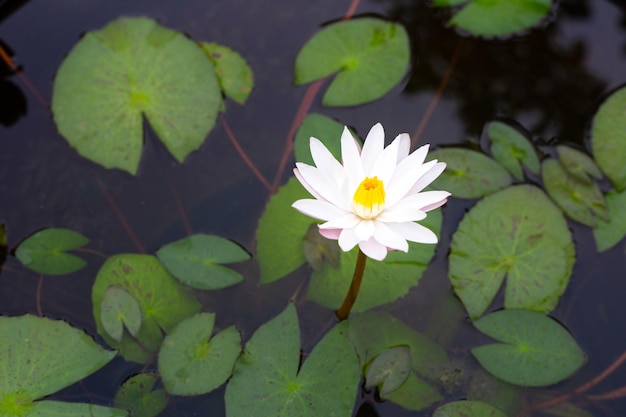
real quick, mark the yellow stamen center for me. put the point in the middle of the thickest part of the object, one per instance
(369, 198)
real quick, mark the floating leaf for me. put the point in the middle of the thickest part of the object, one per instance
(39, 357)
(164, 303)
(327, 130)
(578, 164)
(415, 394)
(266, 381)
(370, 56)
(498, 17)
(469, 174)
(196, 261)
(132, 67)
(536, 350)
(608, 234)
(137, 396)
(608, 138)
(191, 362)
(118, 309)
(485, 387)
(63, 409)
(390, 369)
(280, 233)
(468, 409)
(512, 149)
(582, 201)
(318, 250)
(44, 251)
(383, 282)
(233, 72)
(518, 233)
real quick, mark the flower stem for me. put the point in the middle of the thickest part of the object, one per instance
(353, 292)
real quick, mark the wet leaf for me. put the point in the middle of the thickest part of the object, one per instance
(370, 57)
(469, 174)
(119, 309)
(468, 409)
(512, 149)
(581, 201)
(318, 250)
(536, 350)
(497, 17)
(609, 234)
(39, 357)
(608, 138)
(233, 72)
(197, 261)
(137, 396)
(45, 251)
(191, 362)
(518, 233)
(383, 282)
(130, 68)
(389, 370)
(163, 301)
(266, 380)
(578, 164)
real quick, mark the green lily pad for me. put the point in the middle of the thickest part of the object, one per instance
(191, 362)
(163, 301)
(137, 396)
(233, 72)
(130, 68)
(536, 351)
(469, 174)
(45, 251)
(119, 309)
(497, 17)
(383, 282)
(468, 409)
(280, 233)
(512, 149)
(608, 138)
(63, 409)
(266, 380)
(389, 370)
(578, 164)
(327, 130)
(39, 357)
(370, 56)
(318, 250)
(415, 394)
(196, 261)
(581, 201)
(609, 234)
(518, 233)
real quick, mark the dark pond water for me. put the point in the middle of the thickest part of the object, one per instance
(550, 80)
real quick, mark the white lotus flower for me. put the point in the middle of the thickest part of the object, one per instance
(375, 198)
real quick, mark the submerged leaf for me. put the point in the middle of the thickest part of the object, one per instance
(137, 396)
(536, 350)
(44, 251)
(370, 56)
(390, 369)
(318, 250)
(468, 409)
(119, 309)
(512, 149)
(63, 409)
(233, 72)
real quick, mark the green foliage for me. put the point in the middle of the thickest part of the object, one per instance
(119, 309)
(608, 138)
(581, 200)
(497, 17)
(134, 67)
(383, 282)
(578, 164)
(137, 396)
(266, 380)
(196, 261)
(164, 303)
(517, 233)
(468, 409)
(469, 174)
(191, 362)
(608, 233)
(512, 149)
(370, 56)
(389, 370)
(327, 130)
(44, 251)
(536, 350)
(233, 72)
(39, 357)
(318, 250)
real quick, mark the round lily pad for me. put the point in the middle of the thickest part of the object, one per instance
(45, 251)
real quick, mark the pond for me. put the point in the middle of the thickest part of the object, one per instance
(154, 265)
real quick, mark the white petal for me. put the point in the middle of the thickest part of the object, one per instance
(346, 221)
(330, 233)
(306, 185)
(387, 237)
(402, 185)
(373, 146)
(351, 155)
(323, 185)
(428, 177)
(411, 162)
(414, 232)
(364, 229)
(318, 209)
(404, 145)
(385, 164)
(401, 213)
(435, 205)
(347, 240)
(373, 249)
(326, 162)
(423, 199)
